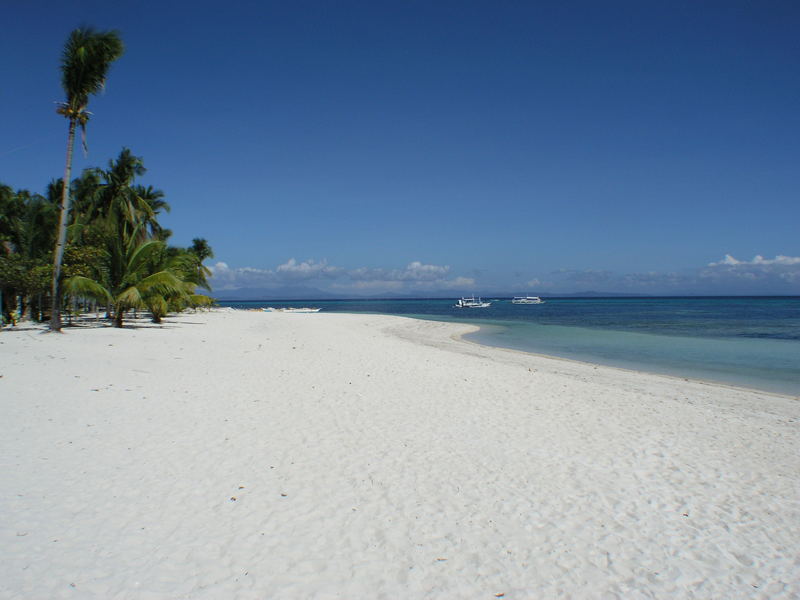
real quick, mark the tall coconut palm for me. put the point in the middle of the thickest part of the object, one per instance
(85, 62)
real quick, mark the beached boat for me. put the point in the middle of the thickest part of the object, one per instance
(291, 309)
(527, 300)
(471, 302)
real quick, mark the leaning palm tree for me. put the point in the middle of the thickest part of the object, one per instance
(87, 56)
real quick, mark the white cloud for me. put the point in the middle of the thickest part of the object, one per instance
(223, 277)
(779, 260)
(418, 271)
(414, 276)
(728, 260)
(308, 269)
(778, 275)
(758, 276)
(415, 271)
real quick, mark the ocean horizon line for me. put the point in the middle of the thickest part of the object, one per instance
(506, 296)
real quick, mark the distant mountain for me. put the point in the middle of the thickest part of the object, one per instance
(285, 293)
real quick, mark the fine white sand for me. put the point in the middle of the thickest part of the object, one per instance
(262, 455)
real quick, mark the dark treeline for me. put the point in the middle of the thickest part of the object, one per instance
(117, 254)
(96, 242)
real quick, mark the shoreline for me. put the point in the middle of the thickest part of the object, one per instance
(697, 380)
(250, 455)
(145, 323)
(633, 373)
(725, 357)
(475, 328)
(142, 322)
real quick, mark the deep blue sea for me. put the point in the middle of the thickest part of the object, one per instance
(745, 341)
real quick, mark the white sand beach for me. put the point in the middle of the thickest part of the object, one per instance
(237, 454)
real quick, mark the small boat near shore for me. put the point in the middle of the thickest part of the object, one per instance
(471, 302)
(527, 300)
(292, 309)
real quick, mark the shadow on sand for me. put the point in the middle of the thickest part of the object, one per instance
(93, 321)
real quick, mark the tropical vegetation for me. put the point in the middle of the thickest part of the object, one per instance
(95, 243)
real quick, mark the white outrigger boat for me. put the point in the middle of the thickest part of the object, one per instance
(471, 302)
(527, 300)
(291, 309)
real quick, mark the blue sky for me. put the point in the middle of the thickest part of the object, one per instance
(416, 147)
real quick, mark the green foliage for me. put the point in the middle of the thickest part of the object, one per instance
(85, 62)
(10, 211)
(24, 275)
(201, 249)
(134, 278)
(190, 267)
(79, 286)
(27, 223)
(200, 301)
(109, 246)
(85, 261)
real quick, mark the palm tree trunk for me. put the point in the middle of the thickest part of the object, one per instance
(58, 255)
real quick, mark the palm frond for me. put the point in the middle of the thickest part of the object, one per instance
(157, 305)
(162, 283)
(201, 300)
(83, 287)
(140, 254)
(130, 298)
(87, 56)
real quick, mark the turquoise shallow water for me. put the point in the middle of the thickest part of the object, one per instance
(767, 364)
(751, 342)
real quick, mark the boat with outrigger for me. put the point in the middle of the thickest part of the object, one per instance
(471, 302)
(526, 300)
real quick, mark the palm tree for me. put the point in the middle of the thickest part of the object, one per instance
(10, 209)
(27, 231)
(151, 202)
(132, 282)
(117, 199)
(198, 273)
(201, 249)
(110, 197)
(87, 56)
